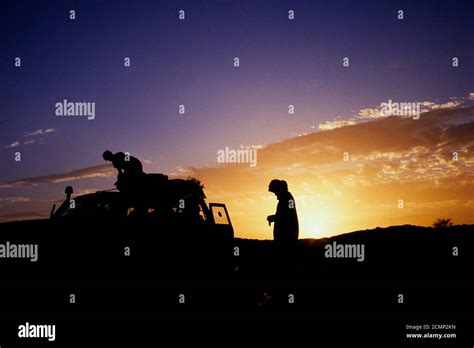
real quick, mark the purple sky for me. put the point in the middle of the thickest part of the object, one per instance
(190, 62)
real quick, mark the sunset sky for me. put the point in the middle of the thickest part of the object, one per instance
(282, 62)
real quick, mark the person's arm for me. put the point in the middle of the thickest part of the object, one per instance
(274, 217)
(270, 219)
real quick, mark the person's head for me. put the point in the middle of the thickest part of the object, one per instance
(277, 186)
(108, 155)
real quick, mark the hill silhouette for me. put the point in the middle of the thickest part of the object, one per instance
(397, 252)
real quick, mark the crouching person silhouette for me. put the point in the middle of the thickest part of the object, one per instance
(129, 179)
(285, 229)
(129, 168)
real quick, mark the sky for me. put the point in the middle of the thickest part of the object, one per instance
(283, 62)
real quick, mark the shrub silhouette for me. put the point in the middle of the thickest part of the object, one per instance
(443, 223)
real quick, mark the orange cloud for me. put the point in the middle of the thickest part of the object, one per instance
(23, 216)
(422, 162)
(346, 178)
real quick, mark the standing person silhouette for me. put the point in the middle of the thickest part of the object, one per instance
(286, 229)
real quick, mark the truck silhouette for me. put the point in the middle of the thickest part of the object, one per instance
(177, 232)
(179, 203)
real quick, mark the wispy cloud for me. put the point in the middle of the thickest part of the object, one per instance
(105, 170)
(12, 145)
(328, 125)
(374, 113)
(11, 200)
(30, 135)
(370, 113)
(428, 106)
(425, 106)
(39, 132)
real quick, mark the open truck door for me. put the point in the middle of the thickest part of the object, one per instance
(221, 218)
